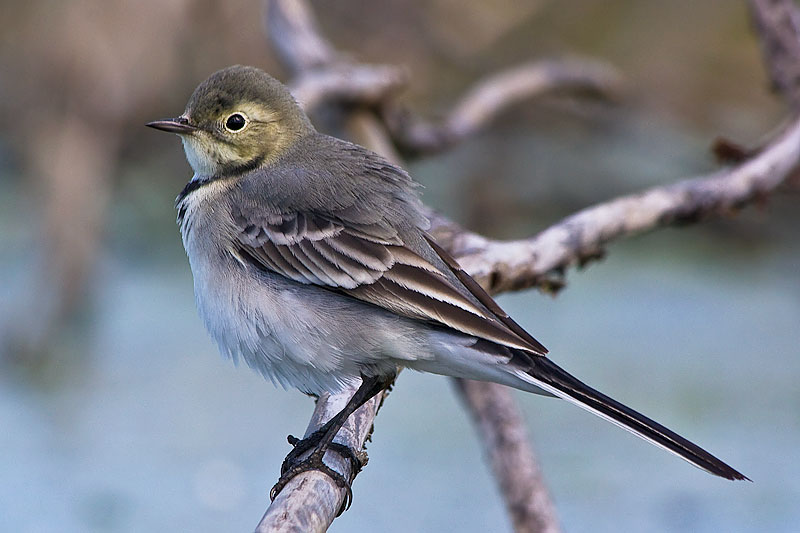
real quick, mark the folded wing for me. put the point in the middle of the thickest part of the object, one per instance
(370, 262)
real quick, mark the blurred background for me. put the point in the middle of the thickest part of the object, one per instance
(117, 414)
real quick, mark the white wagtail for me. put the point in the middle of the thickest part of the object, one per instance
(312, 262)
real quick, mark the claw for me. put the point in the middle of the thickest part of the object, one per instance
(300, 446)
(357, 459)
(314, 462)
(293, 465)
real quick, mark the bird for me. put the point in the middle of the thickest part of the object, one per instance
(313, 262)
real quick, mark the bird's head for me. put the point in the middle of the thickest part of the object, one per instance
(237, 120)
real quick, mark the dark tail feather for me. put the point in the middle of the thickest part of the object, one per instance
(554, 379)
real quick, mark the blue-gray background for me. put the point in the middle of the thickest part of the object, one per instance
(124, 418)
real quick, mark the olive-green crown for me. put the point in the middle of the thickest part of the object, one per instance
(229, 87)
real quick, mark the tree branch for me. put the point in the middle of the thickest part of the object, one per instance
(310, 501)
(513, 265)
(495, 94)
(365, 85)
(502, 431)
(299, 501)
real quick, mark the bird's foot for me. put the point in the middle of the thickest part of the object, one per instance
(299, 448)
(314, 462)
(358, 459)
(294, 465)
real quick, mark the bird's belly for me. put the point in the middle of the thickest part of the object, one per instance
(297, 335)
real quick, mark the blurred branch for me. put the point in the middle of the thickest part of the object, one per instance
(495, 94)
(506, 445)
(321, 75)
(292, 31)
(777, 23)
(346, 83)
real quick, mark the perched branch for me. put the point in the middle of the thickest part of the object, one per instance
(777, 23)
(495, 94)
(310, 501)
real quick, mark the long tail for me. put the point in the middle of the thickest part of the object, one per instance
(553, 379)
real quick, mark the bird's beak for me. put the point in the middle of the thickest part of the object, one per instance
(179, 125)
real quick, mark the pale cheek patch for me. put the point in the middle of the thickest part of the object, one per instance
(206, 155)
(197, 153)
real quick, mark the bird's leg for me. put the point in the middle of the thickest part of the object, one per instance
(369, 388)
(321, 441)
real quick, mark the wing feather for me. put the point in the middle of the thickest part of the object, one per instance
(370, 262)
(483, 297)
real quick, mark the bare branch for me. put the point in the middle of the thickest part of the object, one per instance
(365, 85)
(321, 75)
(310, 501)
(293, 33)
(512, 265)
(506, 445)
(495, 94)
(777, 23)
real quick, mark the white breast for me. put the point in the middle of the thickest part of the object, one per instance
(261, 319)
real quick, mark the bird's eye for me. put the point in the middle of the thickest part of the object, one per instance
(235, 122)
